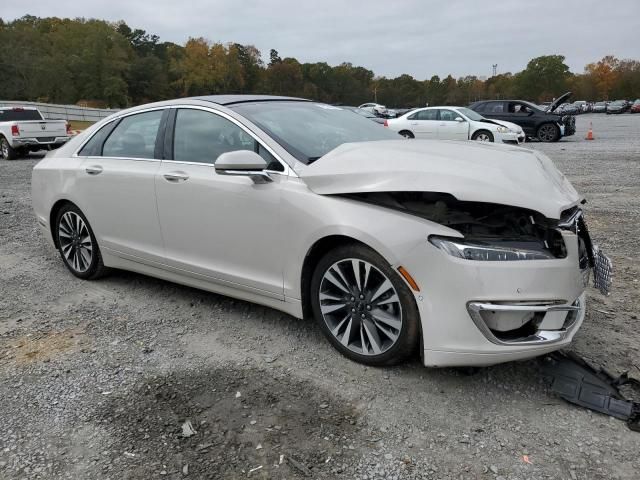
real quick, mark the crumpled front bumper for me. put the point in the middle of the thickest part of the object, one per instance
(467, 307)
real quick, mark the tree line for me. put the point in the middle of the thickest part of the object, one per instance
(98, 63)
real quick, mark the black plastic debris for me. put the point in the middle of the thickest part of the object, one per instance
(576, 381)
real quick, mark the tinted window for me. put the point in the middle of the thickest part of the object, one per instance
(481, 108)
(134, 137)
(203, 136)
(18, 114)
(309, 130)
(519, 108)
(94, 146)
(427, 114)
(494, 107)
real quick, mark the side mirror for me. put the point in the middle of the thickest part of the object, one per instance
(459, 119)
(244, 163)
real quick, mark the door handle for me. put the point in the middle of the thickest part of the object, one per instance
(414, 123)
(176, 177)
(93, 170)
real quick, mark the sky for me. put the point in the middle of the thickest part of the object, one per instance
(421, 38)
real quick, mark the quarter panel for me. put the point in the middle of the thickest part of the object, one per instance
(309, 217)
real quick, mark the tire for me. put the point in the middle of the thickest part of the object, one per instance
(482, 136)
(548, 132)
(406, 134)
(6, 150)
(382, 335)
(77, 244)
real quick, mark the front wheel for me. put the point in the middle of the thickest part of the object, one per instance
(364, 307)
(6, 150)
(77, 243)
(482, 136)
(548, 133)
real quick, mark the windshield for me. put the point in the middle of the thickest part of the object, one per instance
(476, 117)
(310, 130)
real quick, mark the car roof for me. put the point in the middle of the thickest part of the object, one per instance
(234, 99)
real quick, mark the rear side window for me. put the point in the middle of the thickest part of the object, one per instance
(93, 148)
(427, 114)
(494, 107)
(134, 137)
(19, 114)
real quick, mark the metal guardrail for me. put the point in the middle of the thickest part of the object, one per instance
(52, 111)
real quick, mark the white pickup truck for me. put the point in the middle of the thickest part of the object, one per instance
(24, 129)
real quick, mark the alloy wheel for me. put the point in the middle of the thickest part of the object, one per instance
(360, 306)
(483, 137)
(547, 133)
(4, 149)
(75, 241)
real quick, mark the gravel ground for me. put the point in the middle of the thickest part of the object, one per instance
(99, 379)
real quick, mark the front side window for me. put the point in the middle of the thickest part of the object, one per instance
(201, 137)
(134, 137)
(448, 115)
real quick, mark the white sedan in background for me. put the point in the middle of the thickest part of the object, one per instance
(455, 123)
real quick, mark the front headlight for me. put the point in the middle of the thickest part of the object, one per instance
(502, 129)
(486, 251)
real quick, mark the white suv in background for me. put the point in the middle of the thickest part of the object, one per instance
(455, 123)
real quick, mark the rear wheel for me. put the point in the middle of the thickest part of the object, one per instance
(77, 243)
(363, 306)
(548, 132)
(407, 134)
(7, 152)
(482, 136)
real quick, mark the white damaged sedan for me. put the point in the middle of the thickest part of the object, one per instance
(474, 253)
(455, 123)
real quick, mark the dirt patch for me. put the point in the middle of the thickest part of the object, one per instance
(44, 347)
(241, 419)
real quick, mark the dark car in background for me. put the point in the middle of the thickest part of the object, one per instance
(619, 106)
(545, 125)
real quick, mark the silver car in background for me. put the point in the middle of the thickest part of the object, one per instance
(474, 253)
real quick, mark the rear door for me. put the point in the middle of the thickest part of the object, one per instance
(424, 123)
(521, 114)
(449, 128)
(116, 185)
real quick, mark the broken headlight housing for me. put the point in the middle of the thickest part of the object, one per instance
(488, 251)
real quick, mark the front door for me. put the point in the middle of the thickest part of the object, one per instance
(225, 228)
(451, 129)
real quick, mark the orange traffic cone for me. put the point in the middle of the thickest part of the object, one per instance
(590, 132)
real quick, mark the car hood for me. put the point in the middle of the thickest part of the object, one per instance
(561, 99)
(470, 171)
(512, 126)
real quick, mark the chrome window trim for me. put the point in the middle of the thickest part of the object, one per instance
(288, 171)
(75, 154)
